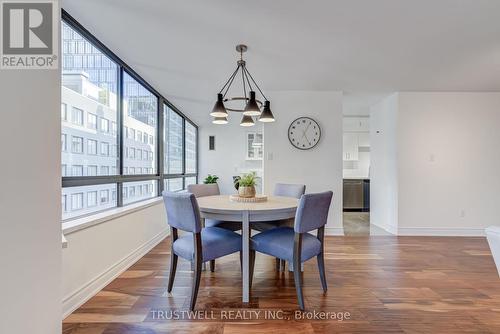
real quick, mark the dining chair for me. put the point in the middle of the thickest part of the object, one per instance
(212, 189)
(297, 244)
(200, 244)
(284, 190)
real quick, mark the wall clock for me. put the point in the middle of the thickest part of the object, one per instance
(304, 133)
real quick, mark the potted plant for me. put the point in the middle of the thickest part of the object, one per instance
(247, 185)
(210, 179)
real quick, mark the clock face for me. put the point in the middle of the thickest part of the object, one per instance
(304, 133)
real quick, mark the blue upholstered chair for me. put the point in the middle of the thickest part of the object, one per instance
(284, 190)
(296, 244)
(199, 244)
(202, 190)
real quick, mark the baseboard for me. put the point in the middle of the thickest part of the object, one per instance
(334, 231)
(444, 232)
(79, 297)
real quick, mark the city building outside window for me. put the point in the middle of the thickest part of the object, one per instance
(90, 81)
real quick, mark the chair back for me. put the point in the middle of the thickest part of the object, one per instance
(182, 211)
(312, 212)
(201, 190)
(289, 190)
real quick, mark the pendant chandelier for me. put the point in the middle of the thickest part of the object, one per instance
(250, 106)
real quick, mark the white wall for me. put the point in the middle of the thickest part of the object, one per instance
(435, 163)
(30, 200)
(449, 162)
(320, 168)
(228, 159)
(383, 168)
(96, 255)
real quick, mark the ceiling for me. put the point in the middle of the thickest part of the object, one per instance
(368, 49)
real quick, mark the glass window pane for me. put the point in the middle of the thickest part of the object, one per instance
(138, 191)
(173, 184)
(80, 201)
(189, 180)
(172, 138)
(89, 104)
(191, 143)
(140, 118)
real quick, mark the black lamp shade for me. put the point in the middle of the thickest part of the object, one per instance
(219, 110)
(252, 108)
(267, 115)
(247, 121)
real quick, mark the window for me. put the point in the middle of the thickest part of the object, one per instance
(91, 170)
(91, 121)
(104, 170)
(77, 116)
(91, 100)
(104, 196)
(104, 125)
(173, 148)
(64, 112)
(91, 198)
(174, 184)
(190, 148)
(140, 110)
(63, 142)
(77, 201)
(64, 203)
(105, 149)
(77, 144)
(77, 170)
(91, 146)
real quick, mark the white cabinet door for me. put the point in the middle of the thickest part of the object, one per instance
(350, 146)
(356, 124)
(364, 139)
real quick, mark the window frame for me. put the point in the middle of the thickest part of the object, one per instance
(121, 179)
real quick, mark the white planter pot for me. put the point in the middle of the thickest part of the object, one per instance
(493, 236)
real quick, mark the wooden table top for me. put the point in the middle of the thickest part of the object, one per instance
(223, 203)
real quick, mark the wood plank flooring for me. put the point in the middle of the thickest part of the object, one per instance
(387, 284)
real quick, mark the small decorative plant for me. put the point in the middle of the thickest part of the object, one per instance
(210, 179)
(247, 185)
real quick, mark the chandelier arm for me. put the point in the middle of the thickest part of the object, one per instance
(232, 76)
(246, 76)
(231, 80)
(265, 98)
(243, 79)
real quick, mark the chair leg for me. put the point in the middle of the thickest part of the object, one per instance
(212, 265)
(241, 262)
(297, 273)
(278, 264)
(173, 268)
(321, 267)
(297, 276)
(252, 266)
(196, 283)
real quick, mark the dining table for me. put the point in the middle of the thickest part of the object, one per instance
(221, 207)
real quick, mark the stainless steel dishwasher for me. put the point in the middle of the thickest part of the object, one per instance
(353, 194)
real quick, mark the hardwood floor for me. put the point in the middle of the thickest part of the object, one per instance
(387, 284)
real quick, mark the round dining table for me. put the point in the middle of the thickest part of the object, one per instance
(220, 207)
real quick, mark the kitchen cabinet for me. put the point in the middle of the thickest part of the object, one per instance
(364, 139)
(350, 145)
(356, 124)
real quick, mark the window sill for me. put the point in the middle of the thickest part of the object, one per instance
(79, 224)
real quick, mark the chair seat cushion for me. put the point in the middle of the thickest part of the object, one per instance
(278, 242)
(215, 242)
(232, 226)
(267, 225)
